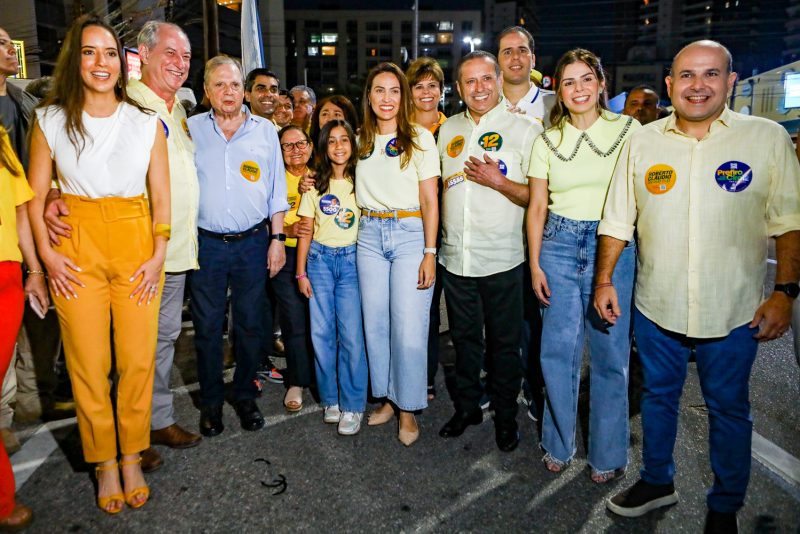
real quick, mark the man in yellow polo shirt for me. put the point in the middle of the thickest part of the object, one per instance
(166, 53)
(485, 153)
(705, 188)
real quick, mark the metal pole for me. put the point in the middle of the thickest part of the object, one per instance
(210, 28)
(415, 31)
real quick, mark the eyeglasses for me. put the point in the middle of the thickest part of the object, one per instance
(299, 145)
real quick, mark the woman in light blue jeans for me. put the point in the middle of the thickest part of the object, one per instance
(396, 190)
(571, 168)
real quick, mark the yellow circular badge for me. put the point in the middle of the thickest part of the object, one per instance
(455, 146)
(659, 179)
(250, 170)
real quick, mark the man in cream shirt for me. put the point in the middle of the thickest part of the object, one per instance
(704, 188)
(485, 153)
(166, 53)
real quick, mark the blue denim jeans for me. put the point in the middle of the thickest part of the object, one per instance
(336, 328)
(396, 313)
(723, 365)
(567, 258)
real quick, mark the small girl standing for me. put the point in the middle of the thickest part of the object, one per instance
(330, 262)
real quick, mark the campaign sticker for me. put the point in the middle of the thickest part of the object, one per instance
(329, 204)
(733, 176)
(454, 180)
(502, 166)
(659, 179)
(166, 130)
(455, 146)
(491, 141)
(250, 170)
(391, 148)
(186, 128)
(345, 218)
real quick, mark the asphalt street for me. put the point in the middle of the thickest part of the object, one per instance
(372, 483)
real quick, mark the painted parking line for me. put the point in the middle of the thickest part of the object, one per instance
(36, 450)
(776, 459)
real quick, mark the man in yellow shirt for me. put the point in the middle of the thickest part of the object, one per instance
(485, 153)
(166, 54)
(705, 187)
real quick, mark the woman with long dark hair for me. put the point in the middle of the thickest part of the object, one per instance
(108, 153)
(571, 167)
(396, 190)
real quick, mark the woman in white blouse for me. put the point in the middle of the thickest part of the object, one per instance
(110, 156)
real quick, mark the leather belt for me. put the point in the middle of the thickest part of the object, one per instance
(227, 238)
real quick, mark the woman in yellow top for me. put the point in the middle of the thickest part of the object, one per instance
(396, 189)
(108, 152)
(426, 79)
(570, 171)
(16, 244)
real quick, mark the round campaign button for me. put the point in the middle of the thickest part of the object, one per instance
(455, 146)
(733, 176)
(391, 148)
(329, 204)
(659, 179)
(166, 130)
(502, 166)
(491, 141)
(345, 218)
(250, 171)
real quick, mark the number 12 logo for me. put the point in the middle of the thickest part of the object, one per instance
(491, 141)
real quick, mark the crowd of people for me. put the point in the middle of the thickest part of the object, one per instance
(548, 222)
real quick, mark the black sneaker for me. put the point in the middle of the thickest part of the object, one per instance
(641, 498)
(721, 523)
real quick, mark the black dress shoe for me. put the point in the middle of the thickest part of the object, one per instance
(721, 523)
(506, 437)
(211, 420)
(459, 422)
(249, 415)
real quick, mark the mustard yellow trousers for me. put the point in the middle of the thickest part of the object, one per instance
(111, 238)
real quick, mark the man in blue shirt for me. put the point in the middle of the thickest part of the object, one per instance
(242, 202)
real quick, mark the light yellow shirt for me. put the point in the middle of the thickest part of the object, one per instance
(481, 228)
(335, 214)
(14, 190)
(380, 182)
(703, 211)
(184, 189)
(293, 197)
(578, 187)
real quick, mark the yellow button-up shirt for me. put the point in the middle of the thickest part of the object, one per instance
(184, 189)
(14, 190)
(703, 211)
(481, 228)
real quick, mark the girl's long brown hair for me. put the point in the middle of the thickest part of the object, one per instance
(68, 91)
(559, 114)
(405, 128)
(8, 159)
(324, 167)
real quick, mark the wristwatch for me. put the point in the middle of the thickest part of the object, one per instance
(429, 250)
(279, 237)
(791, 289)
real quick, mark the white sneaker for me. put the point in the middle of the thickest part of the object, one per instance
(332, 414)
(350, 423)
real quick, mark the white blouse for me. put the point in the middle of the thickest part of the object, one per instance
(115, 156)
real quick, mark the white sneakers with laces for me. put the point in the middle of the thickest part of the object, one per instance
(350, 423)
(332, 414)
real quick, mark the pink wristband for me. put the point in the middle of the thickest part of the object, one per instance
(300, 276)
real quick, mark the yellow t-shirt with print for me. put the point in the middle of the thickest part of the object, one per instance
(14, 190)
(335, 214)
(293, 197)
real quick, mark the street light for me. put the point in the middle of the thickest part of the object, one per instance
(472, 42)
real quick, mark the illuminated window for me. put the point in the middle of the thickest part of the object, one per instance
(313, 50)
(235, 5)
(328, 50)
(445, 26)
(444, 38)
(427, 38)
(330, 37)
(315, 38)
(373, 52)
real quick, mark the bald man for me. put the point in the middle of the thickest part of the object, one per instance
(704, 188)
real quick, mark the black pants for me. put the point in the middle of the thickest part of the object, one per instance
(433, 329)
(493, 302)
(294, 319)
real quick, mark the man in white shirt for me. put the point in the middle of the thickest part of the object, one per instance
(517, 60)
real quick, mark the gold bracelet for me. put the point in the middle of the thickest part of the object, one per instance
(30, 272)
(163, 230)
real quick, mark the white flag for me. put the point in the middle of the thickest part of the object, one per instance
(252, 45)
